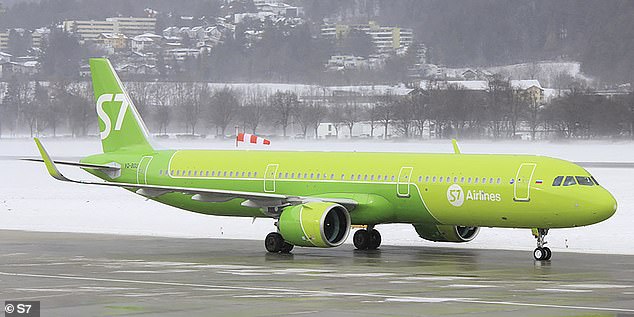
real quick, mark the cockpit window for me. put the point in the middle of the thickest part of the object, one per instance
(584, 180)
(569, 181)
(558, 180)
(594, 180)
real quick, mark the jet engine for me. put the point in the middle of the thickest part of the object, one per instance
(315, 224)
(446, 233)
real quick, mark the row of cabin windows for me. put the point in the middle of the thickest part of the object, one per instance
(574, 180)
(358, 177)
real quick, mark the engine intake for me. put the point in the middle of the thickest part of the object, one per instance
(445, 233)
(315, 224)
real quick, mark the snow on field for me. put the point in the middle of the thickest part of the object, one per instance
(32, 200)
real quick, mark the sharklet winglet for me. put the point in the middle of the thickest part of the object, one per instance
(456, 149)
(50, 166)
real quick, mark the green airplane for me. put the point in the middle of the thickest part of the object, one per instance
(316, 197)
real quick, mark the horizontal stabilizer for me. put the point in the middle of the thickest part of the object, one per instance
(606, 164)
(77, 164)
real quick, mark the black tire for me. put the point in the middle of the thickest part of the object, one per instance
(539, 254)
(375, 239)
(361, 239)
(286, 247)
(274, 242)
(549, 253)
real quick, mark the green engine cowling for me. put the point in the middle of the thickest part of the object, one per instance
(315, 224)
(446, 233)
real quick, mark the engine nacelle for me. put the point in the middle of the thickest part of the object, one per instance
(315, 224)
(445, 233)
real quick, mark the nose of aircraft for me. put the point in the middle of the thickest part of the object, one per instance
(604, 206)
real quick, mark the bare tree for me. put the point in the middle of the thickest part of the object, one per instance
(309, 115)
(284, 105)
(162, 110)
(351, 115)
(253, 111)
(386, 112)
(335, 115)
(224, 104)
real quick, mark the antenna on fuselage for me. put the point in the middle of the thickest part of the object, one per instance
(456, 149)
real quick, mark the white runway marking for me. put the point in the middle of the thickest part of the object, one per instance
(391, 298)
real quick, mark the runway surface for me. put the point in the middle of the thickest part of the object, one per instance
(112, 275)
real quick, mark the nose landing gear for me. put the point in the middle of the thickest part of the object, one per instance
(541, 253)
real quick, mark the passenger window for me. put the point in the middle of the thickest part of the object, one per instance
(189, 173)
(206, 173)
(378, 177)
(343, 176)
(484, 180)
(433, 180)
(292, 175)
(420, 179)
(557, 180)
(392, 177)
(475, 180)
(426, 179)
(160, 172)
(242, 174)
(312, 175)
(491, 180)
(317, 175)
(305, 175)
(286, 175)
(584, 181)
(462, 180)
(332, 176)
(195, 173)
(449, 180)
(255, 174)
(365, 177)
(569, 181)
(231, 174)
(440, 179)
(351, 177)
(372, 177)
(455, 179)
(469, 180)
(499, 180)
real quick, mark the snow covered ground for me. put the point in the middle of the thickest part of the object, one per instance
(32, 200)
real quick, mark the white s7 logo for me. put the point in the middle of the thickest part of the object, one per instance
(104, 116)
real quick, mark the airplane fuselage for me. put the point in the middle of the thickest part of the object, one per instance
(514, 191)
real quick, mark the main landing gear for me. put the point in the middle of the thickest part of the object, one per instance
(541, 253)
(274, 243)
(367, 239)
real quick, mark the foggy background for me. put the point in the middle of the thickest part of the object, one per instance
(326, 69)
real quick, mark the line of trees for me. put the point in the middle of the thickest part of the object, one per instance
(500, 112)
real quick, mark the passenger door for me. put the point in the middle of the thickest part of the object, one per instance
(141, 170)
(522, 189)
(269, 177)
(404, 179)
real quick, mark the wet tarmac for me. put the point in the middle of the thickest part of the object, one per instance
(110, 275)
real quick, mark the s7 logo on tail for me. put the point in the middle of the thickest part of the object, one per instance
(104, 116)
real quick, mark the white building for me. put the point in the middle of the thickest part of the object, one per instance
(385, 38)
(90, 30)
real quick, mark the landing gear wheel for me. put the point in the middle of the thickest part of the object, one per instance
(361, 239)
(375, 239)
(274, 242)
(539, 254)
(287, 247)
(549, 253)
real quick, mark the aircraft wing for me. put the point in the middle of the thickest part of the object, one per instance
(252, 199)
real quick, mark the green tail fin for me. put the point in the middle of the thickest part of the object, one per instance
(120, 125)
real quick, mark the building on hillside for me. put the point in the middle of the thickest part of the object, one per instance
(90, 30)
(5, 57)
(39, 37)
(278, 8)
(530, 87)
(386, 39)
(112, 42)
(145, 42)
(4, 40)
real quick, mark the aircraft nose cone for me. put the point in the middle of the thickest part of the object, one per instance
(605, 206)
